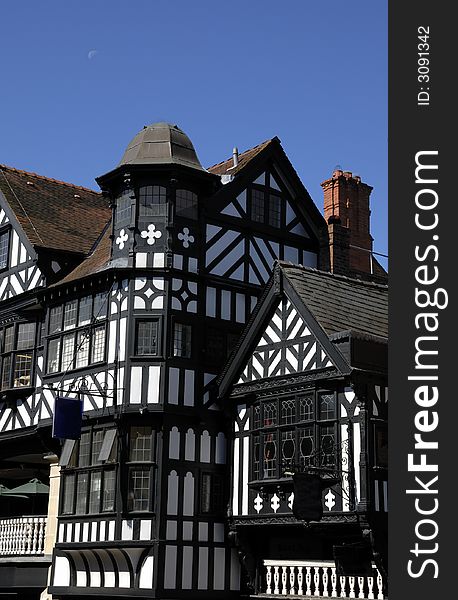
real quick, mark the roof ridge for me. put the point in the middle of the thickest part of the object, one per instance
(244, 152)
(287, 264)
(38, 176)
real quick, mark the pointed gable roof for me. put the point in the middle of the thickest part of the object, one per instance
(329, 303)
(54, 214)
(227, 166)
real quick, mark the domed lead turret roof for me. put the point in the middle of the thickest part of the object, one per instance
(161, 143)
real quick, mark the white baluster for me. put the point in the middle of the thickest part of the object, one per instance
(333, 582)
(379, 586)
(351, 581)
(292, 579)
(325, 582)
(269, 579)
(361, 587)
(370, 587)
(308, 581)
(316, 581)
(343, 585)
(300, 581)
(284, 580)
(276, 580)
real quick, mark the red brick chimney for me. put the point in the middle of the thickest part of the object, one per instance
(346, 211)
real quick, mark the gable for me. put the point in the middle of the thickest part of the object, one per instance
(287, 346)
(18, 270)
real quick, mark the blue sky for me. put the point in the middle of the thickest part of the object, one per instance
(314, 73)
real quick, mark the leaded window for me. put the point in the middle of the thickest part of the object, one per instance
(152, 201)
(293, 432)
(123, 207)
(140, 469)
(212, 493)
(4, 248)
(182, 340)
(89, 473)
(186, 204)
(17, 342)
(146, 337)
(77, 333)
(266, 206)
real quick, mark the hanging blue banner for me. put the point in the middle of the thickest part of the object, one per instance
(68, 417)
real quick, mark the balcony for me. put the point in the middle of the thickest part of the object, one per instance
(313, 578)
(22, 536)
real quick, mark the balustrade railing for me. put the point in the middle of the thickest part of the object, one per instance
(21, 536)
(320, 579)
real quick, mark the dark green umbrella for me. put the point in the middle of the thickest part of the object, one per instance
(32, 488)
(4, 491)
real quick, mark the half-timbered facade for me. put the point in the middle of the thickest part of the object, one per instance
(307, 390)
(130, 301)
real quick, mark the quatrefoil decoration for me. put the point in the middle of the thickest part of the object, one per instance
(122, 239)
(186, 238)
(151, 234)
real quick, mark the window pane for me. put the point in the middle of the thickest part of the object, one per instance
(139, 489)
(68, 348)
(94, 495)
(69, 493)
(100, 306)
(6, 372)
(306, 446)
(22, 369)
(306, 412)
(4, 243)
(53, 355)
(256, 456)
(84, 447)
(274, 210)
(256, 416)
(288, 411)
(55, 319)
(98, 344)
(257, 206)
(205, 493)
(152, 200)
(25, 336)
(288, 447)
(140, 444)
(182, 340)
(270, 413)
(70, 315)
(327, 404)
(123, 207)
(270, 454)
(9, 339)
(84, 316)
(108, 498)
(146, 342)
(82, 349)
(186, 204)
(81, 493)
(97, 441)
(327, 445)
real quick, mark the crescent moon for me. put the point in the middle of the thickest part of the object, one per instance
(91, 54)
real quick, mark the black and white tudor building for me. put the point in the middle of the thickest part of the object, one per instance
(226, 342)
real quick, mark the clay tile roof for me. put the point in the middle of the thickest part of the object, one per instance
(341, 303)
(244, 158)
(55, 214)
(96, 262)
